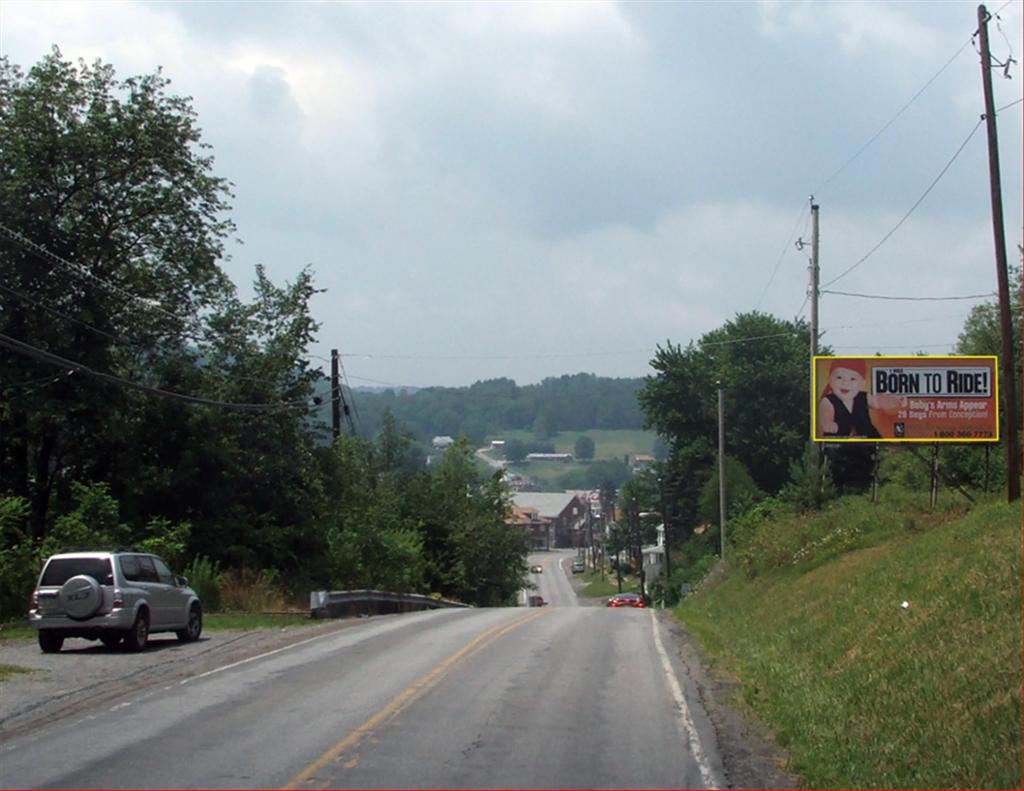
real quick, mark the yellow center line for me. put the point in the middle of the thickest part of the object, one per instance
(405, 698)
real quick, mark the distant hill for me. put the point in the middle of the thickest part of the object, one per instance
(576, 402)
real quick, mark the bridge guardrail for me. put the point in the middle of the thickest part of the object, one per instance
(351, 604)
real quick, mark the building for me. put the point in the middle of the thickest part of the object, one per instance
(566, 511)
(442, 442)
(531, 522)
(640, 461)
(549, 457)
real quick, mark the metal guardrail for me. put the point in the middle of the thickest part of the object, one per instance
(353, 604)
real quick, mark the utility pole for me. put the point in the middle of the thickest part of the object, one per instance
(1009, 388)
(721, 470)
(335, 395)
(814, 280)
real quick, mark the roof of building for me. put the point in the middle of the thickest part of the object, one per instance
(549, 504)
(526, 517)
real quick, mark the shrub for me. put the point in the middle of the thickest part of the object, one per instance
(204, 577)
(247, 590)
(19, 559)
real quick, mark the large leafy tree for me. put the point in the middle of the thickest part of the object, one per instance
(111, 225)
(761, 364)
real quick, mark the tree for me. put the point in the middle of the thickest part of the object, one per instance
(110, 176)
(740, 493)
(584, 448)
(515, 450)
(761, 364)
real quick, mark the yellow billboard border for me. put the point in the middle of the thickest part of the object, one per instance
(863, 440)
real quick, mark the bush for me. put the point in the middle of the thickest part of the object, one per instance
(247, 590)
(204, 578)
(19, 559)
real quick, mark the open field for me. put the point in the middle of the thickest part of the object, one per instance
(608, 444)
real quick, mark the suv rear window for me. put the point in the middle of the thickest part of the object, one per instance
(60, 570)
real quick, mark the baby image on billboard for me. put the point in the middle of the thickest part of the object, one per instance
(905, 399)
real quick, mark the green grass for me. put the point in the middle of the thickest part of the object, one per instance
(16, 632)
(608, 444)
(863, 692)
(212, 622)
(6, 671)
(250, 621)
(598, 588)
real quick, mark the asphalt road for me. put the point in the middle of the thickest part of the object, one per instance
(554, 697)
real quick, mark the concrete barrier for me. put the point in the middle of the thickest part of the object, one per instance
(353, 604)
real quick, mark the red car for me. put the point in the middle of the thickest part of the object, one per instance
(626, 600)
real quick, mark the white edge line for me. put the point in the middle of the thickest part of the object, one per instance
(689, 730)
(254, 658)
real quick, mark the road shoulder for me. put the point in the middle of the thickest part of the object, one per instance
(750, 756)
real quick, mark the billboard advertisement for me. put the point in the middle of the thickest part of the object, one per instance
(906, 399)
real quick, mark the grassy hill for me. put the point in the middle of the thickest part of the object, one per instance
(863, 690)
(609, 444)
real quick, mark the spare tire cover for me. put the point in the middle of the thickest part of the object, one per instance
(80, 596)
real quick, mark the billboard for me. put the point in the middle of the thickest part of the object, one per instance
(905, 399)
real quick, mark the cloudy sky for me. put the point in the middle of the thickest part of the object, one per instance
(532, 189)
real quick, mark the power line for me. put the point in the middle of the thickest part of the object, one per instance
(908, 299)
(917, 203)
(53, 311)
(892, 120)
(749, 340)
(366, 356)
(83, 272)
(52, 359)
(901, 346)
(1008, 106)
(896, 323)
(126, 342)
(778, 262)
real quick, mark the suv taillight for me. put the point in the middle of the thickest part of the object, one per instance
(33, 603)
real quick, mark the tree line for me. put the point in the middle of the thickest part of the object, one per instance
(760, 364)
(144, 402)
(576, 402)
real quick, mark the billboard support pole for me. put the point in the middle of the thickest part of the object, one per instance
(1009, 384)
(935, 476)
(875, 458)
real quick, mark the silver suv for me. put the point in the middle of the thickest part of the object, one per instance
(112, 596)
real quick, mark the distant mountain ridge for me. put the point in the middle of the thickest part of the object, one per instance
(572, 402)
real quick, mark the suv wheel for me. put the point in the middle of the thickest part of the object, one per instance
(194, 627)
(136, 637)
(50, 641)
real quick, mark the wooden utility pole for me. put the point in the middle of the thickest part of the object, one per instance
(721, 470)
(1009, 386)
(335, 395)
(814, 285)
